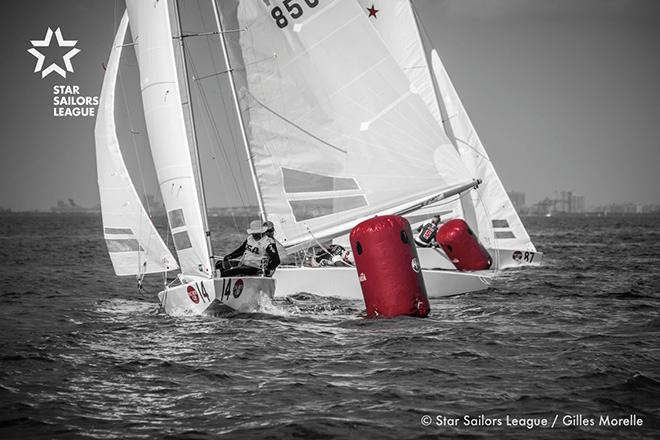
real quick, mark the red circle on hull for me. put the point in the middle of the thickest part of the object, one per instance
(238, 288)
(192, 294)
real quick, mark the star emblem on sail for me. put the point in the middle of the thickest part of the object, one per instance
(53, 67)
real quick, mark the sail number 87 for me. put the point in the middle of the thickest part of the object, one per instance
(293, 8)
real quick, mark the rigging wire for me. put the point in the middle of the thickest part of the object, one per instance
(290, 122)
(216, 67)
(215, 130)
(218, 147)
(315, 240)
(233, 217)
(224, 100)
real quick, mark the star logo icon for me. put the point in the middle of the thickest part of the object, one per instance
(373, 11)
(61, 42)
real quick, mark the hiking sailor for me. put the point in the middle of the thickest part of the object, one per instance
(427, 231)
(258, 254)
(281, 250)
(331, 255)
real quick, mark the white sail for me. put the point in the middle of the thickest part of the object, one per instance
(170, 136)
(394, 20)
(502, 228)
(336, 134)
(134, 245)
(488, 210)
(395, 23)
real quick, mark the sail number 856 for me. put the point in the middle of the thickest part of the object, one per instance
(293, 8)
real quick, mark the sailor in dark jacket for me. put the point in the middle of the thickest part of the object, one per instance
(258, 255)
(426, 233)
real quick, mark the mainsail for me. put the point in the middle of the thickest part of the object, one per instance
(170, 132)
(134, 245)
(335, 134)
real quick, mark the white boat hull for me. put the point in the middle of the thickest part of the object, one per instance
(514, 258)
(217, 296)
(435, 258)
(342, 282)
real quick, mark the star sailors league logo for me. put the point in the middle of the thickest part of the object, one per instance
(53, 67)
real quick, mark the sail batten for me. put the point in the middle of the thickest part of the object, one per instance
(134, 245)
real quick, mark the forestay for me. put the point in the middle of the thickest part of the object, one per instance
(335, 128)
(170, 137)
(134, 245)
(501, 225)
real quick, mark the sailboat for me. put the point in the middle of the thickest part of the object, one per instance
(488, 210)
(334, 133)
(134, 245)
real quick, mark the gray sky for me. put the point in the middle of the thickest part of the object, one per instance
(563, 94)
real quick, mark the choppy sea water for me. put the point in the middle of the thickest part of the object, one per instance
(83, 355)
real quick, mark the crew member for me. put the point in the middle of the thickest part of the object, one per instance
(281, 250)
(332, 255)
(258, 254)
(426, 233)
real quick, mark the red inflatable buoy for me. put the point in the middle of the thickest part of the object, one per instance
(388, 268)
(462, 247)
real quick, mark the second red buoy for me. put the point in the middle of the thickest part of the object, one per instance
(462, 246)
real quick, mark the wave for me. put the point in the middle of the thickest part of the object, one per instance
(639, 394)
(630, 294)
(313, 426)
(638, 383)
